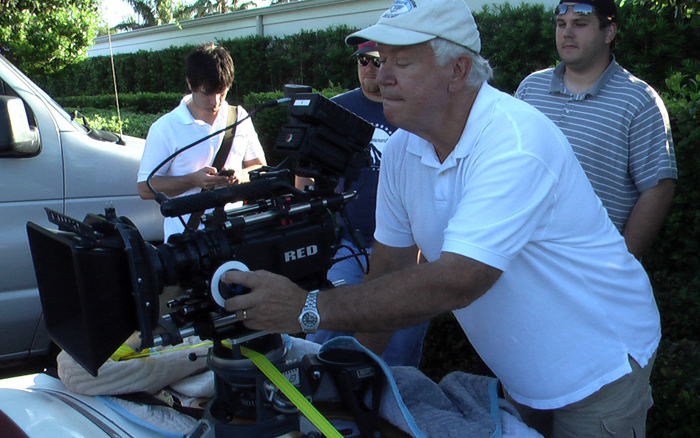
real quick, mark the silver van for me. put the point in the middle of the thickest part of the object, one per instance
(48, 160)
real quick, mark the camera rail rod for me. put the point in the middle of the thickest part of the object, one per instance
(293, 209)
(220, 323)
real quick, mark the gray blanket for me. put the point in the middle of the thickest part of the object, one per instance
(462, 405)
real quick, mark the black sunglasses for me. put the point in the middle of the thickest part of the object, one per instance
(365, 60)
(578, 8)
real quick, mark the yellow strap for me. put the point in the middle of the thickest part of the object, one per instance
(293, 394)
(124, 352)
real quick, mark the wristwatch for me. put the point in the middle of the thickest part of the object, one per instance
(309, 319)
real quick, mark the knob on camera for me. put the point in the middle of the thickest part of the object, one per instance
(221, 291)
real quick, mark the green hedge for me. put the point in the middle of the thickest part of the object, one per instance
(674, 267)
(147, 103)
(263, 64)
(516, 39)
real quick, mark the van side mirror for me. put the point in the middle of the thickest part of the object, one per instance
(17, 138)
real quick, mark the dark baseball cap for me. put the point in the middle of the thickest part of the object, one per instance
(607, 8)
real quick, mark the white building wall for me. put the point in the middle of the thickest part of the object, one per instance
(276, 21)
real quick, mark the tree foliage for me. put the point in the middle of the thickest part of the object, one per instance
(46, 36)
(156, 12)
(151, 13)
(202, 8)
(685, 8)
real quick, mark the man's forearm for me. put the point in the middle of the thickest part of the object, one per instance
(170, 185)
(406, 297)
(399, 299)
(385, 260)
(647, 217)
(249, 166)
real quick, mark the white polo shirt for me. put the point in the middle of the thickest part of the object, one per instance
(177, 129)
(572, 303)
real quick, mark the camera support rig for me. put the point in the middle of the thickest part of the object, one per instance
(99, 281)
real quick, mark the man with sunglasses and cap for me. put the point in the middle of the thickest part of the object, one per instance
(518, 246)
(617, 124)
(406, 345)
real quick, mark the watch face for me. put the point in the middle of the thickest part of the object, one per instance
(309, 319)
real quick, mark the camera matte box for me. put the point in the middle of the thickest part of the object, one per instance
(85, 294)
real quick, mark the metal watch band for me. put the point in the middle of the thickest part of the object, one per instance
(309, 319)
(311, 300)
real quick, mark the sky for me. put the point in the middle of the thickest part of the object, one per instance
(115, 11)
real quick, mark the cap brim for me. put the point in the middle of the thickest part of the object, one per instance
(383, 34)
(369, 51)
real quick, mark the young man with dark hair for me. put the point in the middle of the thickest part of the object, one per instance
(209, 66)
(209, 75)
(616, 123)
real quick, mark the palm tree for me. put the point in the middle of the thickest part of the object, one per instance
(202, 8)
(154, 13)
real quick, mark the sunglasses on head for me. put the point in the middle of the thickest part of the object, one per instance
(578, 8)
(365, 60)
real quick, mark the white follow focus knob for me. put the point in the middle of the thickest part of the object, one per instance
(216, 284)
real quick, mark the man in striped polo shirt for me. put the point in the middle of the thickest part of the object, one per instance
(617, 124)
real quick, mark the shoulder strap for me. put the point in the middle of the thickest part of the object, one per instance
(219, 159)
(226, 143)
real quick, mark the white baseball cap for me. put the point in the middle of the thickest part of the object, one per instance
(409, 22)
